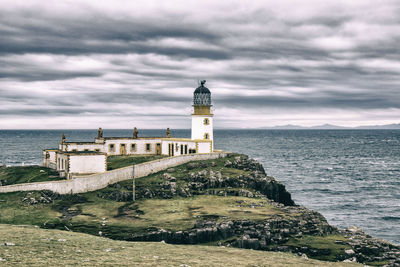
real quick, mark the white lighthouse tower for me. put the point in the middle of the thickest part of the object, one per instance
(202, 118)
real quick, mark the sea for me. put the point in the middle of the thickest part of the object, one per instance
(352, 177)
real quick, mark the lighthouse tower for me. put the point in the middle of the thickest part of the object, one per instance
(202, 118)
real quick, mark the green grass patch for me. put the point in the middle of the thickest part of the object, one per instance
(170, 214)
(14, 211)
(126, 217)
(327, 249)
(38, 247)
(27, 174)
(115, 162)
(376, 263)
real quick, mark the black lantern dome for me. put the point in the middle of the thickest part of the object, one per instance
(202, 95)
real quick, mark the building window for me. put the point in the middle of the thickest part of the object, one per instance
(176, 147)
(181, 149)
(148, 147)
(111, 148)
(133, 147)
(97, 150)
(186, 150)
(206, 121)
(206, 136)
(86, 150)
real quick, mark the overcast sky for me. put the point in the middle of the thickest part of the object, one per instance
(120, 64)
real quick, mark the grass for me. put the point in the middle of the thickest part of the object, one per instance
(14, 211)
(115, 162)
(169, 214)
(27, 174)
(38, 247)
(325, 245)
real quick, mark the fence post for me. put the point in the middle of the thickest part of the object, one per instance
(133, 183)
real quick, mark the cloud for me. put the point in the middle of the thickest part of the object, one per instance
(141, 61)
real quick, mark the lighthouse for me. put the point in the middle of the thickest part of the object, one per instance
(202, 118)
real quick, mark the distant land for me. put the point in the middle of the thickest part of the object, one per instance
(335, 127)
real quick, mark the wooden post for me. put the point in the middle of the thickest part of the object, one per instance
(133, 184)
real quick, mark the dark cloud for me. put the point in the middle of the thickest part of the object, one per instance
(83, 59)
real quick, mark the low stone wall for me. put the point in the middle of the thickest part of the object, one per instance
(83, 184)
(76, 185)
(146, 168)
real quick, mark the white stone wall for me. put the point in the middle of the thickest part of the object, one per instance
(87, 164)
(82, 184)
(146, 168)
(199, 128)
(76, 185)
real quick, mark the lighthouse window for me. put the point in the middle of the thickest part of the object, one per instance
(206, 136)
(148, 147)
(206, 121)
(111, 148)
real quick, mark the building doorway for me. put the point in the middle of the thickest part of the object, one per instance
(122, 149)
(158, 149)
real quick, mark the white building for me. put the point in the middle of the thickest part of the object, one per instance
(91, 157)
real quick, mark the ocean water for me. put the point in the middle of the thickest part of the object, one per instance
(352, 177)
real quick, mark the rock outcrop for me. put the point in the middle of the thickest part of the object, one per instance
(206, 180)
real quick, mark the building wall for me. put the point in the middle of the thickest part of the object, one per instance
(183, 146)
(50, 162)
(199, 129)
(87, 164)
(70, 147)
(82, 184)
(140, 146)
(204, 147)
(62, 162)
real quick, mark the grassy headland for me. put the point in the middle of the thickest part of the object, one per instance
(227, 201)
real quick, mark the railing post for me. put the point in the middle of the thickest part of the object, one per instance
(133, 184)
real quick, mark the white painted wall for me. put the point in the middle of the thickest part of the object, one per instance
(69, 147)
(62, 162)
(51, 161)
(140, 146)
(204, 147)
(105, 147)
(199, 129)
(87, 164)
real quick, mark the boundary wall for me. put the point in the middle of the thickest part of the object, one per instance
(83, 184)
